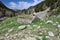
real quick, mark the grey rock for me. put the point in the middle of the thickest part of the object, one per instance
(26, 20)
(22, 27)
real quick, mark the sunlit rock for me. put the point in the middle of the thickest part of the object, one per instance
(54, 24)
(49, 22)
(47, 36)
(57, 22)
(58, 26)
(41, 33)
(38, 27)
(51, 33)
(10, 30)
(6, 34)
(28, 25)
(22, 27)
(40, 37)
(34, 25)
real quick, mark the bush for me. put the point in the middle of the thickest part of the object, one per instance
(39, 7)
(58, 9)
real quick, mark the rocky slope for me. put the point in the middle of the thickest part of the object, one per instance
(53, 4)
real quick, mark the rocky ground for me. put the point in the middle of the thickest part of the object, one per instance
(45, 29)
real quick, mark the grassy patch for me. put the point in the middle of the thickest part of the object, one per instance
(11, 22)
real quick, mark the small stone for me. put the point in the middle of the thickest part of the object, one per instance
(47, 36)
(22, 27)
(6, 34)
(54, 24)
(34, 25)
(57, 22)
(16, 34)
(28, 25)
(10, 30)
(40, 37)
(50, 33)
(49, 22)
(41, 33)
(59, 26)
(31, 38)
(19, 34)
(38, 27)
(56, 29)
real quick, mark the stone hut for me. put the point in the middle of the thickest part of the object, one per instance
(4, 11)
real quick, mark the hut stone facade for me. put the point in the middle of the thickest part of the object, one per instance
(4, 11)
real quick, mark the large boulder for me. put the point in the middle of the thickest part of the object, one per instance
(25, 19)
(42, 14)
(22, 27)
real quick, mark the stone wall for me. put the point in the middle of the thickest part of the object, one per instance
(26, 20)
(1, 14)
(8, 13)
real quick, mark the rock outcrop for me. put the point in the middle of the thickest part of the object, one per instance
(26, 19)
(42, 14)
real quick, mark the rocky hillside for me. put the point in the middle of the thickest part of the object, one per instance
(53, 4)
(37, 29)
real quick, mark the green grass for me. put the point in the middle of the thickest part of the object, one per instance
(50, 27)
(8, 24)
(11, 22)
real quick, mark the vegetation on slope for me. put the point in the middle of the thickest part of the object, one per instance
(11, 23)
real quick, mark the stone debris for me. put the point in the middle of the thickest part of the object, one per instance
(30, 38)
(38, 27)
(8, 37)
(6, 34)
(32, 32)
(28, 26)
(58, 26)
(57, 22)
(51, 33)
(34, 25)
(47, 37)
(49, 21)
(10, 30)
(54, 24)
(41, 33)
(40, 37)
(22, 27)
